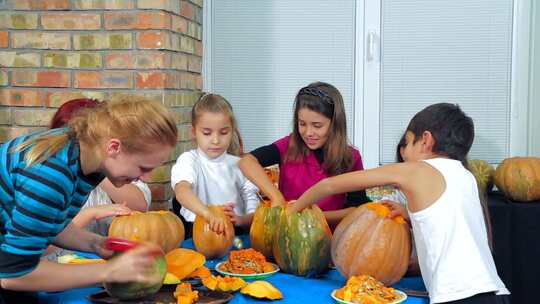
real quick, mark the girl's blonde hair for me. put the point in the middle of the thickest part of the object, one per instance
(215, 103)
(325, 99)
(138, 123)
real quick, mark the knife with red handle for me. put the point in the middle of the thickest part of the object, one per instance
(120, 245)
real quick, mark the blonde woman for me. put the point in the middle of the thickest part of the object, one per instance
(46, 177)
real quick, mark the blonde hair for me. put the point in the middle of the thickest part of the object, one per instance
(137, 122)
(215, 103)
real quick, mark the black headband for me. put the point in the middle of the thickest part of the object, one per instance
(311, 91)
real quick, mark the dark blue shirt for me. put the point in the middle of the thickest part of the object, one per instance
(37, 202)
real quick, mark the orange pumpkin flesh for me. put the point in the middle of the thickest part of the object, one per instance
(367, 242)
(182, 262)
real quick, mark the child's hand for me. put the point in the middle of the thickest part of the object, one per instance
(228, 209)
(103, 211)
(396, 209)
(216, 223)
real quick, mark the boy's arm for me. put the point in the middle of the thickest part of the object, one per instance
(251, 168)
(348, 182)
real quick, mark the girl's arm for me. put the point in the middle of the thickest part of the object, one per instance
(128, 193)
(188, 199)
(250, 167)
(134, 265)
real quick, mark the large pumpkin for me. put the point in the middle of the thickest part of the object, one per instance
(519, 178)
(263, 228)
(368, 242)
(302, 242)
(209, 243)
(159, 227)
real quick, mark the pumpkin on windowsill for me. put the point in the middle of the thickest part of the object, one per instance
(519, 178)
(367, 242)
(159, 227)
(209, 243)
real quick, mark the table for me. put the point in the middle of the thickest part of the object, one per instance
(295, 289)
(516, 246)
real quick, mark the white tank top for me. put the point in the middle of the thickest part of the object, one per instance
(451, 239)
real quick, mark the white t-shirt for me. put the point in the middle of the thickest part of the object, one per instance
(99, 197)
(215, 181)
(451, 239)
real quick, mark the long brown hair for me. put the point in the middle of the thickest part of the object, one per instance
(137, 122)
(326, 100)
(215, 103)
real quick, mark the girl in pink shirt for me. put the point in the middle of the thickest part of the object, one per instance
(317, 148)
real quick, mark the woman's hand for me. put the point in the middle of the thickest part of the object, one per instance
(135, 265)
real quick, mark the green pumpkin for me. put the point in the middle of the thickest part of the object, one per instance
(302, 242)
(135, 290)
(263, 228)
(483, 172)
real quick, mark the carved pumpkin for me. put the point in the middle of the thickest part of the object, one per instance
(519, 178)
(182, 262)
(483, 173)
(302, 242)
(159, 227)
(225, 284)
(262, 290)
(209, 243)
(368, 242)
(263, 228)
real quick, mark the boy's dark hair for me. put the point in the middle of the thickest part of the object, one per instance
(451, 128)
(401, 144)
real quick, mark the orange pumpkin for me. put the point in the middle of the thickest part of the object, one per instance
(182, 262)
(368, 242)
(263, 228)
(519, 178)
(159, 227)
(209, 243)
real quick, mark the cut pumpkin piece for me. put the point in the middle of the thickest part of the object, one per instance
(201, 272)
(185, 295)
(181, 262)
(170, 279)
(262, 290)
(227, 283)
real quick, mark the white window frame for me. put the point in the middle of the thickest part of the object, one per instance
(366, 92)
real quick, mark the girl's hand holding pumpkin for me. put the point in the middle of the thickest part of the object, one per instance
(217, 224)
(228, 209)
(135, 265)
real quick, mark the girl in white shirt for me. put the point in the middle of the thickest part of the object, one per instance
(209, 175)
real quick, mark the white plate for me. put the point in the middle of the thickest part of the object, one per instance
(248, 276)
(401, 299)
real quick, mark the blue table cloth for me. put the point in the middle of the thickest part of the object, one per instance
(295, 289)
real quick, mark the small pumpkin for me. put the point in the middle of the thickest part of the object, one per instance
(302, 242)
(225, 283)
(263, 228)
(519, 178)
(182, 262)
(483, 173)
(163, 228)
(209, 243)
(367, 242)
(262, 290)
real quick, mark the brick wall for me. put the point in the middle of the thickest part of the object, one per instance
(52, 51)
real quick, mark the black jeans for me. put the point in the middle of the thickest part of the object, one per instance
(484, 298)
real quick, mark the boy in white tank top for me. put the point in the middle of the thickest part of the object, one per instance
(443, 203)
